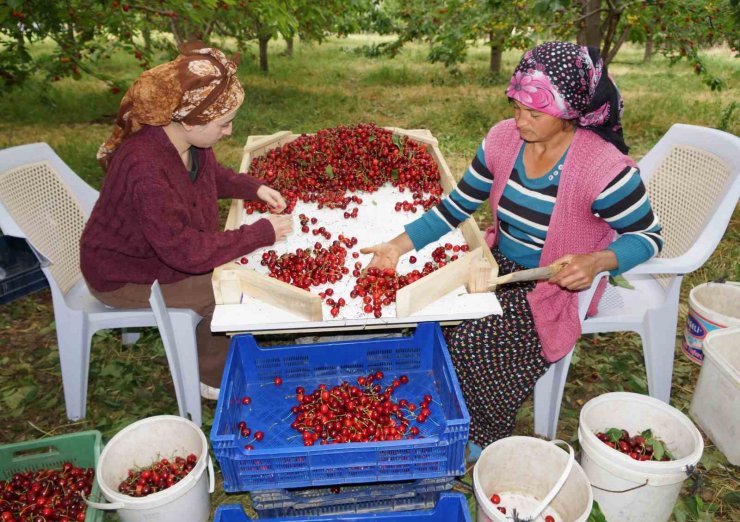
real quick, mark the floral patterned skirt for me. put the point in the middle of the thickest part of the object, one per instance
(498, 359)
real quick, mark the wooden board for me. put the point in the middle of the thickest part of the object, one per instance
(414, 297)
(229, 281)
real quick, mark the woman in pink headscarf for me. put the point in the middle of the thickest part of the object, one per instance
(157, 214)
(561, 188)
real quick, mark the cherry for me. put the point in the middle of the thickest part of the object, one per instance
(247, 400)
(495, 499)
(278, 381)
(549, 518)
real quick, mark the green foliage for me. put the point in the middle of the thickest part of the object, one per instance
(678, 29)
(596, 515)
(694, 509)
(451, 27)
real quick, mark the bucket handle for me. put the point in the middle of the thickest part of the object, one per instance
(620, 491)
(559, 484)
(102, 505)
(211, 476)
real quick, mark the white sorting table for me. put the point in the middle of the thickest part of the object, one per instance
(255, 316)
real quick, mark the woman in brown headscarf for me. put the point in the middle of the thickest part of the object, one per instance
(157, 214)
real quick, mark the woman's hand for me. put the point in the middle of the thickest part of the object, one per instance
(273, 198)
(283, 225)
(580, 270)
(385, 255)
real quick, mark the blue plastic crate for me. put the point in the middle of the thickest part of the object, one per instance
(364, 498)
(20, 273)
(281, 460)
(452, 507)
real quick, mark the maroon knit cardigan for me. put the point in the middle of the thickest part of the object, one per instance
(152, 222)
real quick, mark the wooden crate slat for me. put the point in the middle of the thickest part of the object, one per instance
(421, 135)
(474, 237)
(225, 282)
(412, 298)
(281, 294)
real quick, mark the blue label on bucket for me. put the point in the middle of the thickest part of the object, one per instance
(694, 326)
(696, 330)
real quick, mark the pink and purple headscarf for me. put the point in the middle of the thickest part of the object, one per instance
(570, 82)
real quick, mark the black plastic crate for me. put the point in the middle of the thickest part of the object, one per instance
(376, 497)
(20, 272)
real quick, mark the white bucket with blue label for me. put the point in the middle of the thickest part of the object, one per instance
(711, 306)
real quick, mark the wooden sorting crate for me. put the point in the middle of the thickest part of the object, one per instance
(473, 269)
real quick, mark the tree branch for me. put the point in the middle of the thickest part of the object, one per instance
(618, 45)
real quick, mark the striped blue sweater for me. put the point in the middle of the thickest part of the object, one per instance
(526, 207)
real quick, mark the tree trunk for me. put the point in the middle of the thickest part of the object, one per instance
(590, 28)
(289, 46)
(263, 52)
(649, 49)
(494, 64)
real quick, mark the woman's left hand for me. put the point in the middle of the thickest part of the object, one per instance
(580, 270)
(273, 198)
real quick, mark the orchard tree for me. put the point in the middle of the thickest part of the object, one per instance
(678, 29)
(317, 19)
(450, 27)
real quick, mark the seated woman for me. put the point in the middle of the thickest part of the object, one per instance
(157, 214)
(561, 189)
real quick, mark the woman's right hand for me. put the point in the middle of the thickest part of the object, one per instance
(385, 255)
(281, 224)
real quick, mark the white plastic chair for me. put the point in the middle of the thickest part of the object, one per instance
(177, 328)
(45, 202)
(692, 176)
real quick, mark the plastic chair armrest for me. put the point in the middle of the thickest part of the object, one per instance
(675, 265)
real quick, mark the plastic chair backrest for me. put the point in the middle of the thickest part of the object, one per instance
(49, 215)
(685, 191)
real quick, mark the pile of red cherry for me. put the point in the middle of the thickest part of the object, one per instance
(158, 476)
(46, 494)
(644, 446)
(496, 500)
(323, 167)
(363, 412)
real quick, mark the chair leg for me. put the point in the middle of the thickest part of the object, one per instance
(548, 394)
(659, 344)
(74, 358)
(183, 325)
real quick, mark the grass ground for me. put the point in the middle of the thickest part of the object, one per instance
(323, 86)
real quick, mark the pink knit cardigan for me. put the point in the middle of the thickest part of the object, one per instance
(591, 163)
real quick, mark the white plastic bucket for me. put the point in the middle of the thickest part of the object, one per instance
(711, 306)
(628, 490)
(526, 473)
(139, 445)
(717, 394)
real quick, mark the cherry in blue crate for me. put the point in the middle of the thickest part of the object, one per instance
(431, 448)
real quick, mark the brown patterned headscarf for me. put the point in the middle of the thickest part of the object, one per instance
(197, 87)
